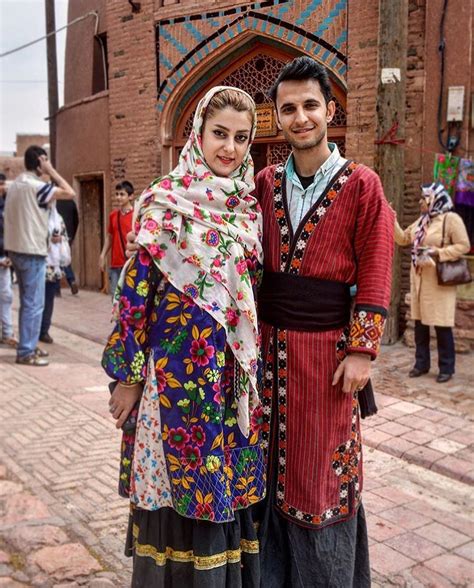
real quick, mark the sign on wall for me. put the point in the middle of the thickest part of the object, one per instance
(266, 122)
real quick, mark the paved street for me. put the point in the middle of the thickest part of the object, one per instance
(62, 523)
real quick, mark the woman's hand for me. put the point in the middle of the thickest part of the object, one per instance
(122, 401)
(131, 247)
(433, 252)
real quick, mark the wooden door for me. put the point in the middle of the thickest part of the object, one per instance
(92, 223)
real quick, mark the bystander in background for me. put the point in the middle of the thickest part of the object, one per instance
(438, 234)
(58, 258)
(120, 223)
(69, 213)
(26, 240)
(6, 295)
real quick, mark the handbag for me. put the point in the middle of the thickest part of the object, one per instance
(452, 273)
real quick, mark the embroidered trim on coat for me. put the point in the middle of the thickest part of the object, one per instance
(345, 463)
(290, 260)
(291, 254)
(366, 330)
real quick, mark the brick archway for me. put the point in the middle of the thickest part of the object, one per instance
(252, 69)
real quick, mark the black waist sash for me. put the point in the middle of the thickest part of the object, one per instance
(301, 303)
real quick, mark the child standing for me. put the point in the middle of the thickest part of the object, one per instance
(120, 223)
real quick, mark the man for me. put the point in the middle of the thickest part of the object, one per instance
(327, 227)
(6, 296)
(26, 240)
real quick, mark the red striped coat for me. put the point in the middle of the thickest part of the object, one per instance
(314, 433)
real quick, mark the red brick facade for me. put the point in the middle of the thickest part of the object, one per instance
(163, 56)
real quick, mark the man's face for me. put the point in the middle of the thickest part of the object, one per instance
(122, 198)
(3, 188)
(302, 113)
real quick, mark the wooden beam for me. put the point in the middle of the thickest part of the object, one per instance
(53, 102)
(390, 157)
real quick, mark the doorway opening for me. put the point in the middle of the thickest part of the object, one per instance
(91, 227)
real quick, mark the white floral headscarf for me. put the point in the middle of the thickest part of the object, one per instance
(200, 229)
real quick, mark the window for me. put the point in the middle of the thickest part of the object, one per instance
(100, 70)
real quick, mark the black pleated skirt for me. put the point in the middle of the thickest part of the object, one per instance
(170, 551)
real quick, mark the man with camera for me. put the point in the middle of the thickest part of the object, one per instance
(26, 240)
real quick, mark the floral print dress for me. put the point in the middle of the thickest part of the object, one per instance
(188, 451)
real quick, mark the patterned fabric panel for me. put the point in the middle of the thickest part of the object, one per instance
(188, 451)
(366, 330)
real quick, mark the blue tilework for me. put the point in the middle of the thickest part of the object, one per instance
(325, 55)
(169, 37)
(332, 15)
(284, 8)
(247, 22)
(341, 40)
(308, 11)
(165, 62)
(194, 32)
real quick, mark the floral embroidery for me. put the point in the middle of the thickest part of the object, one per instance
(198, 230)
(345, 463)
(189, 452)
(305, 230)
(366, 329)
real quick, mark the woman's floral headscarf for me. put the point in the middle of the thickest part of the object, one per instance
(200, 229)
(439, 202)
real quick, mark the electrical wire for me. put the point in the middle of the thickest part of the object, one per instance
(76, 20)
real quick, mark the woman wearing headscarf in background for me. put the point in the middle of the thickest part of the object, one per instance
(432, 304)
(187, 337)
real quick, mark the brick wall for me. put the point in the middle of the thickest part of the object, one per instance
(362, 80)
(24, 141)
(134, 150)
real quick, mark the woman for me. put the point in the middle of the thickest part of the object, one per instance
(187, 335)
(431, 304)
(59, 256)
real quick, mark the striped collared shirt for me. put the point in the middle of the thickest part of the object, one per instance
(301, 200)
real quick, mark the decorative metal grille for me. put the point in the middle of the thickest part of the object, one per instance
(278, 153)
(255, 77)
(340, 118)
(341, 145)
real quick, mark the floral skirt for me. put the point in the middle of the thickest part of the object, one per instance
(171, 551)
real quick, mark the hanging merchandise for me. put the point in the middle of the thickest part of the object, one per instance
(446, 171)
(465, 184)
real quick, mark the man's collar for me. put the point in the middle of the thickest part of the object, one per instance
(324, 169)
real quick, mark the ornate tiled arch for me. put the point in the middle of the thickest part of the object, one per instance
(266, 26)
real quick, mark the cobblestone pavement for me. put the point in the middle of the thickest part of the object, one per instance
(62, 523)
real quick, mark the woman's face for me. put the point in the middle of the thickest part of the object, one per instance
(225, 139)
(424, 205)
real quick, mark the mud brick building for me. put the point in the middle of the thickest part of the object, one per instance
(135, 72)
